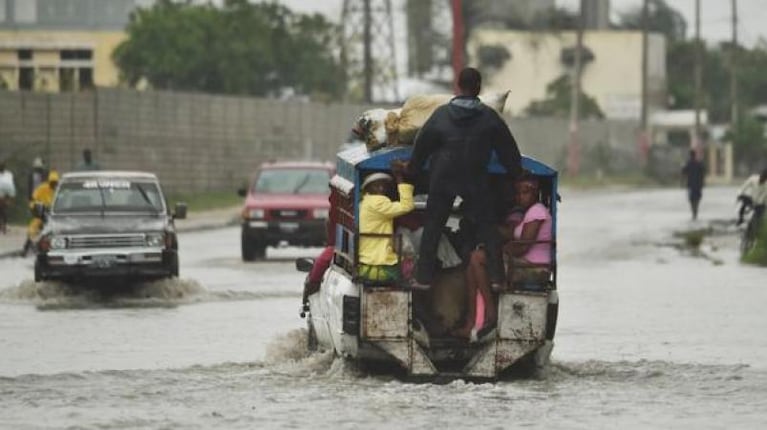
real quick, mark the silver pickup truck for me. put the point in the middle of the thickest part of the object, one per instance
(108, 224)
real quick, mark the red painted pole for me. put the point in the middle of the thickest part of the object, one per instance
(458, 35)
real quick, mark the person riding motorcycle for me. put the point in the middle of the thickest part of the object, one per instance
(43, 195)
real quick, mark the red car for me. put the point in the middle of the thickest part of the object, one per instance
(286, 201)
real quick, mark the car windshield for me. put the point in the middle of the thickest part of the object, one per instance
(118, 195)
(292, 181)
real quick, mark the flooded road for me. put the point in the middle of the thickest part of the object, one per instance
(648, 336)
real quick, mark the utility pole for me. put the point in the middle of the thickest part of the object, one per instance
(643, 131)
(573, 147)
(698, 75)
(734, 67)
(366, 49)
(458, 36)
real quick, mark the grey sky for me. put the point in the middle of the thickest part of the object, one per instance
(715, 15)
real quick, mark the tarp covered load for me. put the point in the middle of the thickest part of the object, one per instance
(389, 127)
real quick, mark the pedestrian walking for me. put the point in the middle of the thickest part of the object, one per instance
(694, 172)
(36, 176)
(87, 163)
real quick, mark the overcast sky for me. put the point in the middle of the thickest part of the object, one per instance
(715, 15)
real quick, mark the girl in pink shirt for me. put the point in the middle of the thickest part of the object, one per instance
(531, 237)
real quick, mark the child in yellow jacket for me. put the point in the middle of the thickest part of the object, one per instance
(377, 257)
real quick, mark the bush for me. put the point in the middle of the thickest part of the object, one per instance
(758, 255)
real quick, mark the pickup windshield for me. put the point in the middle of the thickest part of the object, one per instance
(292, 181)
(109, 195)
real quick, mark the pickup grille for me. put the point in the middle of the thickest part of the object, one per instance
(288, 213)
(106, 241)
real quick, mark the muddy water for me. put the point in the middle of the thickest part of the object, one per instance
(649, 336)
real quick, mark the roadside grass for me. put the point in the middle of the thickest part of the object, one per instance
(205, 201)
(758, 255)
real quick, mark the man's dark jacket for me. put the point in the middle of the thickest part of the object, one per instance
(460, 138)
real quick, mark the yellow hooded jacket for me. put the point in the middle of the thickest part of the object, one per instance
(43, 194)
(377, 215)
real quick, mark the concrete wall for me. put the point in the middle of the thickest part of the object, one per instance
(197, 142)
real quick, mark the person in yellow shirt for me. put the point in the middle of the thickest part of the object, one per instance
(377, 258)
(43, 194)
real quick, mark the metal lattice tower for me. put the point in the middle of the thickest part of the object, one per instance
(368, 50)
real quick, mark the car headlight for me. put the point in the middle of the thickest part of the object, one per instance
(256, 213)
(321, 213)
(155, 239)
(58, 242)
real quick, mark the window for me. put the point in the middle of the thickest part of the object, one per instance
(24, 54)
(85, 78)
(76, 54)
(293, 181)
(108, 195)
(26, 78)
(66, 79)
(2, 10)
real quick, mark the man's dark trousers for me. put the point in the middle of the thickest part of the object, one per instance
(478, 207)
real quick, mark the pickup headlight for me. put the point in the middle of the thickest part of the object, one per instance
(256, 213)
(321, 213)
(58, 242)
(155, 239)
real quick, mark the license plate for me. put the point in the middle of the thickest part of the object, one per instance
(104, 260)
(288, 227)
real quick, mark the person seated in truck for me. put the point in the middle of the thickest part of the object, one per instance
(527, 234)
(378, 260)
(528, 231)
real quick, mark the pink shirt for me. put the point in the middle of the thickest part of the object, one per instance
(539, 253)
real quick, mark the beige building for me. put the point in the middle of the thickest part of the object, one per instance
(612, 75)
(61, 45)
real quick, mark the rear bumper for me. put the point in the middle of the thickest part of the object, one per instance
(299, 232)
(119, 262)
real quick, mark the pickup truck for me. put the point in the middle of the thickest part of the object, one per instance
(285, 201)
(108, 224)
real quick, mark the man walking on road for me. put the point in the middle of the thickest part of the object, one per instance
(87, 163)
(458, 140)
(695, 172)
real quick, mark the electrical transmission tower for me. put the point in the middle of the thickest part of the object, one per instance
(368, 50)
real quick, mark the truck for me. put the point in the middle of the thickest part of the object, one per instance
(380, 322)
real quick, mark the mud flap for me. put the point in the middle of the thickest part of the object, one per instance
(410, 356)
(420, 364)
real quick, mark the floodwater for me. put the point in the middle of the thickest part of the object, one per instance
(649, 336)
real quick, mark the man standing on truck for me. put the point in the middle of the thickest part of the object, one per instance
(458, 141)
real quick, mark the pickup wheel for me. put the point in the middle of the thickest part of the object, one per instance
(248, 251)
(38, 273)
(311, 337)
(174, 272)
(252, 250)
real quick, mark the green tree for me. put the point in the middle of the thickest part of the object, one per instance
(662, 18)
(749, 142)
(238, 48)
(557, 103)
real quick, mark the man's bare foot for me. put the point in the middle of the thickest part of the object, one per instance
(415, 285)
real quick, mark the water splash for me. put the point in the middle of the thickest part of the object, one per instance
(52, 295)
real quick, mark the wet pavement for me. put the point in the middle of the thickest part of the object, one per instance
(651, 334)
